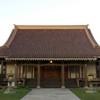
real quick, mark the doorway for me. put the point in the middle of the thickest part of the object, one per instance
(51, 71)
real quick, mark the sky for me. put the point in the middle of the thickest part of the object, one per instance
(49, 12)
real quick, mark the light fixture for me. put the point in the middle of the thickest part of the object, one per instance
(51, 61)
(90, 77)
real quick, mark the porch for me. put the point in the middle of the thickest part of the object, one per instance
(44, 74)
(52, 75)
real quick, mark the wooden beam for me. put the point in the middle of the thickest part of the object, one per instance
(53, 64)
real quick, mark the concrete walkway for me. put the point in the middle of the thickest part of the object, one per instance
(50, 94)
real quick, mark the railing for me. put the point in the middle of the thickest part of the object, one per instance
(21, 78)
(97, 75)
(96, 82)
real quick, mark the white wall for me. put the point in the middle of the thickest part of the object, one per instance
(10, 67)
(91, 66)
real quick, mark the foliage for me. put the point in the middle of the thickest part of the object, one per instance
(20, 86)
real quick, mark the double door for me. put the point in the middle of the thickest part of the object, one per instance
(51, 71)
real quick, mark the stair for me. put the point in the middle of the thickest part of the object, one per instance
(51, 83)
(71, 83)
(32, 83)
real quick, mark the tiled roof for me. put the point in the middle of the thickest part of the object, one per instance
(51, 43)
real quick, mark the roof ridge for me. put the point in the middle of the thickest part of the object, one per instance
(51, 26)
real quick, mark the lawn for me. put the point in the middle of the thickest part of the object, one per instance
(17, 96)
(80, 92)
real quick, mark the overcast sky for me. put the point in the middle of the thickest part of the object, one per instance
(49, 12)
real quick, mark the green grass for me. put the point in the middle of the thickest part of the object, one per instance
(86, 96)
(21, 92)
(17, 96)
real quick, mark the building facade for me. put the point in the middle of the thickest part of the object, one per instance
(50, 56)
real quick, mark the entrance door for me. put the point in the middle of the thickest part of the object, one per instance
(50, 71)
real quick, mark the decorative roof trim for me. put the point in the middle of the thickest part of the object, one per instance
(94, 59)
(2, 56)
(3, 47)
(97, 47)
(10, 39)
(91, 39)
(51, 26)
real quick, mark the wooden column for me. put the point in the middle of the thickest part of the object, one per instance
(99, 69)
(31, 71)
(23, 72)
(19, 72)
(80, 72)
(68, 72)
(38, 77)
(82, 75)
(1, 79)
(85, 72)
(16, 72)
(62, 72)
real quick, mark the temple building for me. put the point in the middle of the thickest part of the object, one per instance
(50, 56)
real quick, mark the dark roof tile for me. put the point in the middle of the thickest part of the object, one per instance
(51, 43)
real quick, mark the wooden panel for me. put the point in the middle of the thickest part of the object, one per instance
(50, 72)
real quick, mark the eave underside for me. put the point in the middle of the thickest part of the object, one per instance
(57, 59)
